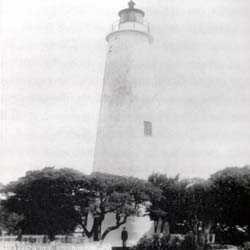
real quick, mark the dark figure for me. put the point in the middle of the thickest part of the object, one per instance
(124, 236)
(19, 235)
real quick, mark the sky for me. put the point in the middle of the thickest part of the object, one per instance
(52, 64)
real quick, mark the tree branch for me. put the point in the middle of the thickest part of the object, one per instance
(87, 232)
(112, 228)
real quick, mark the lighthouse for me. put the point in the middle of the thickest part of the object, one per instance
(126, 136)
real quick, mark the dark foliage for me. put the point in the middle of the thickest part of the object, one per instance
(157, 242)
(220, 204)
(52, 201)
(42, 202)
(108, 194)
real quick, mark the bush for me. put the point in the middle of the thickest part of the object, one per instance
(188, 243)
(167, 242)
(246, 245)
(157, 242)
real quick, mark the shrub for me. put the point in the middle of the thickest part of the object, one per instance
(246, 245)
(188, 243)
(157, 242)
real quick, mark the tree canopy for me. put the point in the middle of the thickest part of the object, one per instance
(231, 191)
(108, 194)
(222, 201)
(56, 201)
(42, 201)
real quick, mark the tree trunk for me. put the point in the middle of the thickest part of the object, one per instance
(156, 222)
(97, 229)
(51, 236)
(206, 231)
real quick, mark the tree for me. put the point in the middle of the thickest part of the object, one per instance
(167, 208)
(221, 203)
(184, 205)
(10, 222)
(43, 202)
(199, 211)
(104, 195)
(52, 201)
(231, 191)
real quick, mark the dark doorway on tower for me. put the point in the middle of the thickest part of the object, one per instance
(147, 128)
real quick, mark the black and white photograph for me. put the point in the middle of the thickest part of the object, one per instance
(125, 125)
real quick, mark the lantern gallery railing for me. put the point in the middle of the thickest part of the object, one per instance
(143, 26)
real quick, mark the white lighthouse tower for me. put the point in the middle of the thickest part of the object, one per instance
(125, 137)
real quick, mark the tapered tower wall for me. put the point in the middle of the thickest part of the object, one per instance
(126, 139)
(127, 102)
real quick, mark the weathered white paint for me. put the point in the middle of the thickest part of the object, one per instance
(128, 99)
(136, 227)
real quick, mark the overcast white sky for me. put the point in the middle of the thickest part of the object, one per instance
(53, 55)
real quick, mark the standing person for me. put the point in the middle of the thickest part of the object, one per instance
(124, 236)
